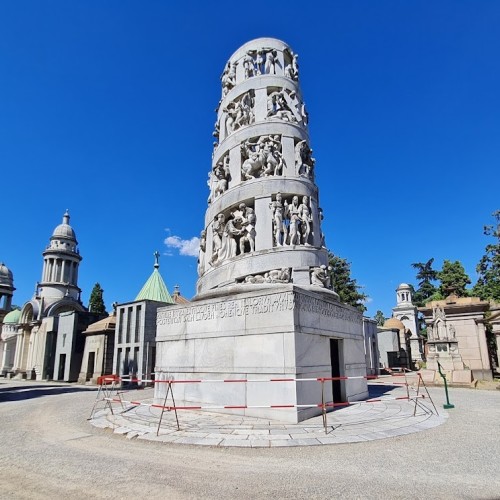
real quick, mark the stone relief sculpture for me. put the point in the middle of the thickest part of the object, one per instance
(306, 220)
(304, 162)
(218, 228)
(293, 215)
(292, 69)
(234, 234)
(219, 179)
(280, 229)
(228, 78)
(249, 65)
(201, 253)
(320, 276)
(275, 276)
(282, 105)
(216, 131)
(248, 236)
(262, 158)
(430, 333)
(239, 113)
(260, 62)
(452, 332)
(292, 222)
(321, 216)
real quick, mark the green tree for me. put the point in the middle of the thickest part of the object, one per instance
(488, 283)
(344, 284)
(425, 276)
(453, 279)
(379, 318)
(96, 303)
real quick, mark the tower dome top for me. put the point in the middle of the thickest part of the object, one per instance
(404, 286)
(6, 277)
(64, 230)
(394, 323)
(13, 317)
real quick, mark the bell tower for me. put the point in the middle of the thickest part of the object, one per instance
(61, 259)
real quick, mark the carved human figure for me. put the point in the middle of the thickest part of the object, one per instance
(278, 107)
(260, 61)
(248, 65)
(244, 111)
(229, 245)
(228, 78)
(270, 66)
(304, 162)
(321, 216)
(248, 234)
(257, 278)
(201, 253)
(218, 227)
(320, 276)
(292, 69)
(216, 131)
(230, 117)
(430, 334)
(306, 220)
(221, 176)
(279, 225)
(452, 332)
(294, 216)
(263, 157)
(278, 275)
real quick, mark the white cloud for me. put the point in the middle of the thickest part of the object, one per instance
(185, 247)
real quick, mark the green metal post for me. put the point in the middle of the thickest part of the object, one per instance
(448, 405)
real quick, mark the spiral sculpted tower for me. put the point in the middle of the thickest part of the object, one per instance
(264, 305)
(263, 221)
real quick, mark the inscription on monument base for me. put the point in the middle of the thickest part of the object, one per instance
(266, 304)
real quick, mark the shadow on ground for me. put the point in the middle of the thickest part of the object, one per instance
(23, 392)
(378, 390)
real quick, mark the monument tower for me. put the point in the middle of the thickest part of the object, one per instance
(264, 306)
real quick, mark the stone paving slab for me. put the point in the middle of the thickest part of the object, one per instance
(356, 423)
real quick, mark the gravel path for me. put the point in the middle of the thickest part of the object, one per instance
(48, 450)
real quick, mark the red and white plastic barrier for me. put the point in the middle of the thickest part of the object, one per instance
(242, 407)
(248, 380)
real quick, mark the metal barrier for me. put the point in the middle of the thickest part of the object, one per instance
(110, 393)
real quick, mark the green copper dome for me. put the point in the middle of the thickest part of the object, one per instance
(155, 288)
(13, 317)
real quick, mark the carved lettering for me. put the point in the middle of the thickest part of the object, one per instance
(228, 309)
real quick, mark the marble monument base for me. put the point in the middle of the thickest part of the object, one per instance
(446, 353)
(262, 332)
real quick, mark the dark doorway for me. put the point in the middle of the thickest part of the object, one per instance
(62, 366)
(90, 366)
(335, 358)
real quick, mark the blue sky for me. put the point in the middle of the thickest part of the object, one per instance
(107, 108)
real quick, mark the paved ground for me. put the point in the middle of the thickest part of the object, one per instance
(49, 450)
(364, 421)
